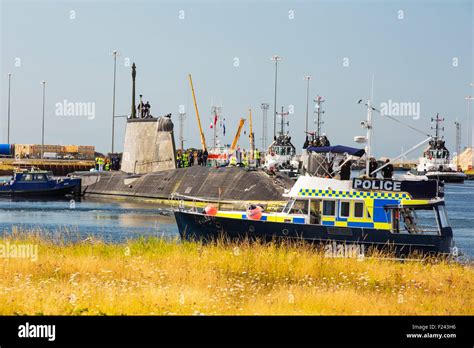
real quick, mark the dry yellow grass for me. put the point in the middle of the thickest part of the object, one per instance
(156, 277)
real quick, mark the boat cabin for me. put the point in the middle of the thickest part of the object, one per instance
(396, 206)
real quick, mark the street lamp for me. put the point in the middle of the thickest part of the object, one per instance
(275, 58)
(8, 126)
(114, 53)
(42, 127)
(307, 78)
(469, 124)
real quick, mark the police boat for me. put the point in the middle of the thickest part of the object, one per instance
(401, 217)
(42, 183)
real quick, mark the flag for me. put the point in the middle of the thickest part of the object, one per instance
(215, 119)
(211, 126)
(223, 131)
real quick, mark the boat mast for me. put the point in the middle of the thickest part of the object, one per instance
(319, 111)
(283, 114)
(437, 128)
(368, 147)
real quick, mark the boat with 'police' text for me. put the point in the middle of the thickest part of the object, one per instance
(403, 217)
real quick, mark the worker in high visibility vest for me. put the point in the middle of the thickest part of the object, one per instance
(185, 159)
(101, 164)
(245, 162)
(257, 157)
(233, 161)
(178, 160)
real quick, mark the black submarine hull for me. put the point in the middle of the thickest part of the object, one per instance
(202, 183)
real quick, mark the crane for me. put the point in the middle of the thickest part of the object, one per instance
(237, 135)
(203, 139)
(251, 136)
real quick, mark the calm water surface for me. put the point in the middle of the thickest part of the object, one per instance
(115, 220)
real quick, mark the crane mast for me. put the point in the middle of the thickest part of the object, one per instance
(237, 135)
(203, 139)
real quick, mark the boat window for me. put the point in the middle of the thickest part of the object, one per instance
(329, 208)
(300, 207)
(314, 213)
(419, 221)
(288, 205)
(27, 177)
(359, 209)
(344, 209)
(40, 177)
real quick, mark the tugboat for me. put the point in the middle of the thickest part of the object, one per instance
(403, 217)
(281, 154)
(39, 183)
(436, 162)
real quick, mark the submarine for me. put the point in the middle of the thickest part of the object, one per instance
(149, 171)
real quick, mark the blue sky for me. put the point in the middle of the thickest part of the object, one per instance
(426, 57)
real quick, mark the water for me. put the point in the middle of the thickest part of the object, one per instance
(110, 220)
(115, 220)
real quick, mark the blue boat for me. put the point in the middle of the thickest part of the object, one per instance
(39, 183)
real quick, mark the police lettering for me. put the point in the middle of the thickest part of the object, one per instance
(386, 185)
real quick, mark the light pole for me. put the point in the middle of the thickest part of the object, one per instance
(114, 53)
(307, 78)
(265, 107)
(469, 123)
(8, 126)
(42, 127)
(275, 58)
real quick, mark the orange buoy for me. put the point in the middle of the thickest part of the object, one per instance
(211, 209)
(254, 212)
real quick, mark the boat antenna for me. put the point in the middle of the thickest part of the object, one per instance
(319, 112)
(437, 128)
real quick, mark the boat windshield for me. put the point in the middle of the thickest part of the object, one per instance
(418, 221)
(283, 150)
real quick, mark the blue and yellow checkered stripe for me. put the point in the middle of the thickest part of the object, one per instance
(352, 194)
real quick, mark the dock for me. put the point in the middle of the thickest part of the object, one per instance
(57, 166)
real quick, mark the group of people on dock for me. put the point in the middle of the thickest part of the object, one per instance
(191, 157)
(103, 163)
(242, 158)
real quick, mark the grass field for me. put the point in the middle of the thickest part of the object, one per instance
(158, 277)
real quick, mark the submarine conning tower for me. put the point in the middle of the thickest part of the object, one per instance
(149, 141)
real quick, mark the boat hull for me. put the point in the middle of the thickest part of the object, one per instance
(447, 177)
(73, 188)
(196, 226)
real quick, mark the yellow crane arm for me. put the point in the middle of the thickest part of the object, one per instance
(237, 135)
(252, 142)
(203, 139)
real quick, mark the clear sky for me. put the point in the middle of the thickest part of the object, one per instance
(420, 52)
